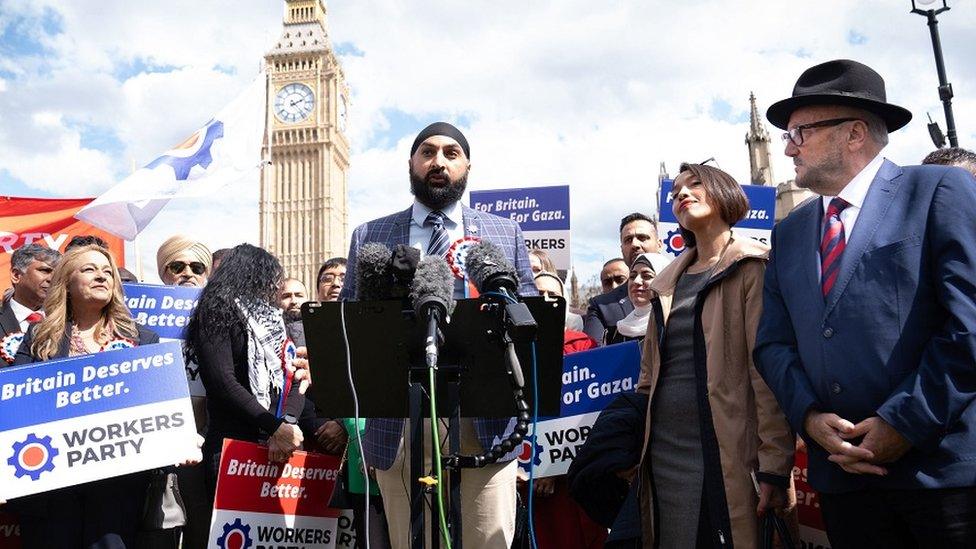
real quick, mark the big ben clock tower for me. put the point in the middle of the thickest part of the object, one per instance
(303, 192)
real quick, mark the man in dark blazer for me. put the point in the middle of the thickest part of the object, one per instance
(439, 164)
(31, 267)
(637, 236)
(868, 335)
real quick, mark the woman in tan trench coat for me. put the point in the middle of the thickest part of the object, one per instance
(714, 432)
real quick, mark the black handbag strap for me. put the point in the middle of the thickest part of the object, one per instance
(772, 522)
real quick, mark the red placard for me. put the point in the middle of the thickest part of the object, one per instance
(812, 531)
(249, 482)
(46, 221)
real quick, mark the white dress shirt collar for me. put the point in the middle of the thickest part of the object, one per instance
(20, 312)
(452, 213)
(855, 191)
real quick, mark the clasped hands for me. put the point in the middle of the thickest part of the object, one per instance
(881, 443)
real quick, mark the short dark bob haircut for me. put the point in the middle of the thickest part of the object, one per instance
(723, 190)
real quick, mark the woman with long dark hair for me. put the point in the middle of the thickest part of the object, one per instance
(237, 336)
(715, 435)
(85, 313)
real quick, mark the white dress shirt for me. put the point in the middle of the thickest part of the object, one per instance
(21, 313)
(420, 234)
(854, 194)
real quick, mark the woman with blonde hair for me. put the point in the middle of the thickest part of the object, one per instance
(85, 313)
(718, 452)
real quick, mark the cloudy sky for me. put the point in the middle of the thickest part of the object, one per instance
(590, 94)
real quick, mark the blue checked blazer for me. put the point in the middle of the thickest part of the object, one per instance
(381, 439)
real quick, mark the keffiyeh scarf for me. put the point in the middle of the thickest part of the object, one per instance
(265, 342)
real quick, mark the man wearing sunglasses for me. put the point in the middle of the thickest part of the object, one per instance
(868, 333)
(182, 261)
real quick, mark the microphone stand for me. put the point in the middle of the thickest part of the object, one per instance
(422, 484)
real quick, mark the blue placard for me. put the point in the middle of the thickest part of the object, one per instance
(762, 206)
(592, 379)
(165, 310)
(56, 390)
(533, 208)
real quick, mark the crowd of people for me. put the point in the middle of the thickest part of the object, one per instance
(853, 334)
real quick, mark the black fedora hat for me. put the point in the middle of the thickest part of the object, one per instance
(840, 82)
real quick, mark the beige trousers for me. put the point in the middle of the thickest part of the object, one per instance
(488, 499)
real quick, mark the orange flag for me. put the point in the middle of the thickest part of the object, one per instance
(46, 221)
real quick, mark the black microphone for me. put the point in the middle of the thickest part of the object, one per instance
(432, 293)
(381, 274)
(403, 265)
(373, 272)
(490, 270)
(492, 273)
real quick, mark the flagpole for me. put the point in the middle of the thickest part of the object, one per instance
(265, 232)
(135, 241)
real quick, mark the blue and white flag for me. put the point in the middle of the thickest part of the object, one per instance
(225, 150)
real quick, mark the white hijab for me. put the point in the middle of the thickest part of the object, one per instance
(635, 323)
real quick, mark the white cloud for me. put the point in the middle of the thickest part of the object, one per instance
(594, 95)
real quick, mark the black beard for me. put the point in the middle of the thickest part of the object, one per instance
(436, 198)
(292, 315)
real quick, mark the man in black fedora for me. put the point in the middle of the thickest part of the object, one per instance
(868, 334)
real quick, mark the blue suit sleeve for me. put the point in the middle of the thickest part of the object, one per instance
(348, 292)
(523, 266)
(776, 355)
(929, 402)
(593, 324)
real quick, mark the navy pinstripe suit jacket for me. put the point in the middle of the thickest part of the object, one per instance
(381, 439)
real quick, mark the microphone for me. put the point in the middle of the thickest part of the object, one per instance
(492, 273)
(382, 274)
(432, 294)
(373, 272)
(403, 265)
(490, 270)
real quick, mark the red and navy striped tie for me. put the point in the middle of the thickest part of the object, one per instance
(832, 245)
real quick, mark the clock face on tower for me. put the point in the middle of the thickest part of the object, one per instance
(294, 102)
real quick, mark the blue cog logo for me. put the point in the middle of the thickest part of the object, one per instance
(675, 243)
(525, 453)
(183, 164)
(33, 456)
(235, 531)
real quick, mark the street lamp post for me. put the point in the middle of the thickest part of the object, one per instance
(945, 88)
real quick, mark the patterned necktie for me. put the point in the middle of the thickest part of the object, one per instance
(35, 317)
(439, 241)
(832, 245)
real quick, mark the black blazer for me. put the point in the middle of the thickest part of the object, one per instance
(8, 320)
(605, 310)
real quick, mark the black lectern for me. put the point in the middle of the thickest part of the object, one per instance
(386, 350)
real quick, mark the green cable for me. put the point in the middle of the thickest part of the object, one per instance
(435, 433)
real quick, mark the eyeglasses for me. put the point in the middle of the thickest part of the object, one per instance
(178, 267)
(795, 135)
(331, 278)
